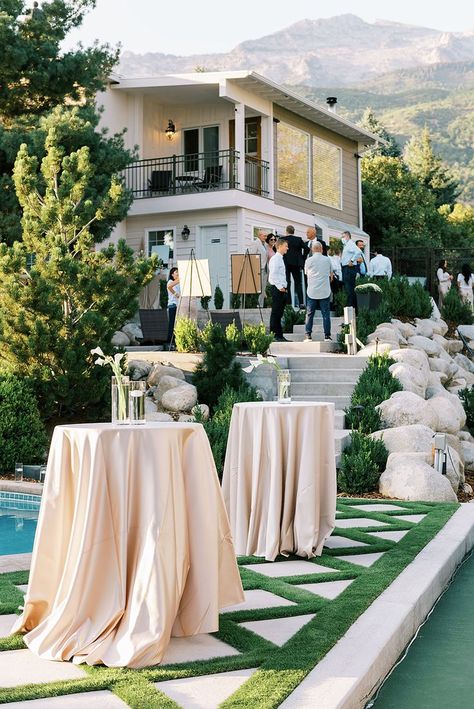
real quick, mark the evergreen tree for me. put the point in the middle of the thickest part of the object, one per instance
(72, 297)
(370, 123)
(430, 169)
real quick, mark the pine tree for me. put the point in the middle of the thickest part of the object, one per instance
(72, 297)
(370, 123)
(430, 169)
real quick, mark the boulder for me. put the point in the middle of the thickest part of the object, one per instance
(411, 378)
(186, 418)
(467, 331)
(376, 348)
(150, 406)
(442, 354)
(448, 414)
(406, 329)
(415, 358)
(454, 346)
(158, 416)
(134, 332)
(138, 369)
(457, 385)
(439, 326)
(409, 477)
(441, 367)
(181, 398)
(163, 370)
(435, 314)
(424, 327)
(465, 436)
(467, 452)
(441, 341)
(425, 344)
(165, 384)
(464, 362)
(120, 339)
(455, 401)
(204, 411)
(414, 438)
(387, 334)
(454, 468)
(434, 384)
(464, 374)
(405, 408)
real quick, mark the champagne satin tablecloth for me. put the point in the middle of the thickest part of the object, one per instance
(133, 545)
(279, 478)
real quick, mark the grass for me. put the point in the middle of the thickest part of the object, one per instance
(280, 669)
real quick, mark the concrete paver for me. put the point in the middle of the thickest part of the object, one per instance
(258, 599)
(326, 589)
(289, 568)
(93, 700)
(19, 667)
(206, 692)
(278, 630)
(362, 559)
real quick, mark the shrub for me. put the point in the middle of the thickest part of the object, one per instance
(375, 384)
(186, 335)
(367, 320)
(218, 298)
(163, 294)
(292, 317)
(256, 338)
(340, 302)
(361, 464)
(402, 298)
(205, 300)
(268, 296)
(22, 435)
(455, 310)
(218, 368)
(231, 333)
(235, 300)
(467, 398)
(217, 427)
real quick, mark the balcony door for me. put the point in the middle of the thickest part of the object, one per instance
(213, 246)
(201, 148)
(253, 152)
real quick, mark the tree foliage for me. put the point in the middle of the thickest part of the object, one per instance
(430, 169)
(371, 123)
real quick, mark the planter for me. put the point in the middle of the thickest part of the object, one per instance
(369, 300)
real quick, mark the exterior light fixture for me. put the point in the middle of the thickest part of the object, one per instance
(171, 130)
(185, 233)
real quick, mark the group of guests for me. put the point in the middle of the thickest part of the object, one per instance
(464, 282)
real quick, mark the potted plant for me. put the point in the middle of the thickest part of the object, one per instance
(369, 296)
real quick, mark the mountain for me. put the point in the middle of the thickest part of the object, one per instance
(338, 51)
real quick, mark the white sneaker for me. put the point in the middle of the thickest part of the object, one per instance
(308, 338)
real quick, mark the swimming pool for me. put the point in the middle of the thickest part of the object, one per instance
(18, 518)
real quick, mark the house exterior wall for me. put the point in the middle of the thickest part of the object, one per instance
(350, 198)
(122, 110)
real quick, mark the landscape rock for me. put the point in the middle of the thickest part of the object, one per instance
(387, 334)
(454, 346)
(467, 452)
(405, 408)
(376, 348)
(163, 370)
(467, 331)
(454, 468)
(464, 362)
(434, 384)
(150, 406)
(120, 339)
(411, 378)
(165, 384)
(134, 332)
(455, 401)
(405, 328)
(138, 369)
(409, 477)
(441, 341)
(440, 327)
(413, 357)
(465, 436)
(186, 418)
(204, 411)
(158, 416)
(414, 438)
(424, 328)
(449, 420)
(441, 367)
(181, 398)
(425, 344)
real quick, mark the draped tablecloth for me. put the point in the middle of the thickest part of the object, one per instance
(279, 479)
(133, 545)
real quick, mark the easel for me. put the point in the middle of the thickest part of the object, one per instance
(186, 287)
(242, 287)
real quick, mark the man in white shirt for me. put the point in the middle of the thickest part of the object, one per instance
(277, 280)
(319, 272)
(380, 266)
(350, 257)
(259, 247)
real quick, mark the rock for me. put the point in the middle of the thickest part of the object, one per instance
(387, 334)
(158, 416)
(442, 354)
(180, 398)
(405, 408)
(414, 438)
(455, 443)
(454, 346)
(464, 362)
(134, 332)
(204, 411)
(434, 384)
(163, 370)
(409, 477)
(165, 384)
(467, 489)
(413, 357)
(435, 314)
(150, 406)
(454, 468)
(138, 369)
(467, 452)
(439, 326)
(120, 339)
(441, 341)
(455, 402)
(465, 436)
(186, 418)
(441, 367)
(411, 378)
(467, 331)
(376, 348)
(463, 374)
(405, 328)
(457, 385)
(424, 327)
(450, 419)
(425, 344)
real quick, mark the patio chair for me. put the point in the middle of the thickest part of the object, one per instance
(160, 181)
(224, 319)
(154, 324)
(211, 179)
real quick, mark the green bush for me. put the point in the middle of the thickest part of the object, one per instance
(292, 317)
(340, 302)
(455, 310)
(22, 434)
(218, 298)
(268, 296)
(186, 335)
(235, 301)
(467, 398)
(361, 464)
(205, 300)
(367, 320)
(256, 338)
(163, 294)
(218, 367)
(231, 333)
(375, 384)
(217, 427)
(402, 299)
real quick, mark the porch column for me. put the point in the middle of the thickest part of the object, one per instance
(240, 143)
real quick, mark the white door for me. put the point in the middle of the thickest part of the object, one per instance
(213, 246)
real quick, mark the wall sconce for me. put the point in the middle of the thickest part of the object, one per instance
(185, 233)
(171, 130)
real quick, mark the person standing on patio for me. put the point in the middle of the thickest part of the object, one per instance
(319, 273)
(259, 247)
(277, 280)
(465, 282)
(174, 291)
(294, 261)
(349, 265)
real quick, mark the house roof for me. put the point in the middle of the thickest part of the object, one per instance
(208, 82)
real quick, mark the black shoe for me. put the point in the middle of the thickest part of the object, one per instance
(281, 339)
(328, 337)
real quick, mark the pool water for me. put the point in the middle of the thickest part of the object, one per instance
(18, 518)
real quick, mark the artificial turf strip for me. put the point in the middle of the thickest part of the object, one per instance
(281, 669)
(10, 596)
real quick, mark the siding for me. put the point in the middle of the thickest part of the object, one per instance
(349, 212)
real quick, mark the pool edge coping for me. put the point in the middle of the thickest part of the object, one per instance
(352, 670)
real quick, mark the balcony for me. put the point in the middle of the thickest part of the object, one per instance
(199, 172)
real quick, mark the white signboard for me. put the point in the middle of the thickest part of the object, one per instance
(194, 278)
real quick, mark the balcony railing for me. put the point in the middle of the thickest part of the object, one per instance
(198, 172)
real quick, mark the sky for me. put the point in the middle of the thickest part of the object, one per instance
(185, 27)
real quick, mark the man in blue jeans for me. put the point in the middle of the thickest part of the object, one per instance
(319, 273)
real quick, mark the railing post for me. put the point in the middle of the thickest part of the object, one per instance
(173, 175)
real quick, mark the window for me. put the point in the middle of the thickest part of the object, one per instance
(161, 238)
(293, 161)
(326, 173)
(201, 140)
(191, 150)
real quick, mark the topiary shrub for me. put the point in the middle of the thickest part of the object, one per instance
(455, 310)
(218, 298)
(361, 465)
(218, 368)
(375, 384)
(467, 398)
(163, 294)
(186, 335)
(205, 300)
(23, 437)
(256, 338)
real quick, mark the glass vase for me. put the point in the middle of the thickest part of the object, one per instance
(120, 389)
(136, 402)
(283, 386)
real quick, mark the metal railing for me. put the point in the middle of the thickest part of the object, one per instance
(197, 172)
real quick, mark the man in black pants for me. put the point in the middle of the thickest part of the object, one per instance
(294, 262)
(277, 280)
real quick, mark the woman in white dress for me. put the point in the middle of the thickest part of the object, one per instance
(465, 284)
(444, 281)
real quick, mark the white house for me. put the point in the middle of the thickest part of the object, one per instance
(223, 154)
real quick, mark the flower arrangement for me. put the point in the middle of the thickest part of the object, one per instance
(262, 360)
(368, 287)
(119, 407)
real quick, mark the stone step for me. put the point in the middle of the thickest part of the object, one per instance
(339, 420)
(340, 402)
(325, 375)
(324, 388)
(318, 337)
(325, 361)
(289, 349)
(318, 325)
